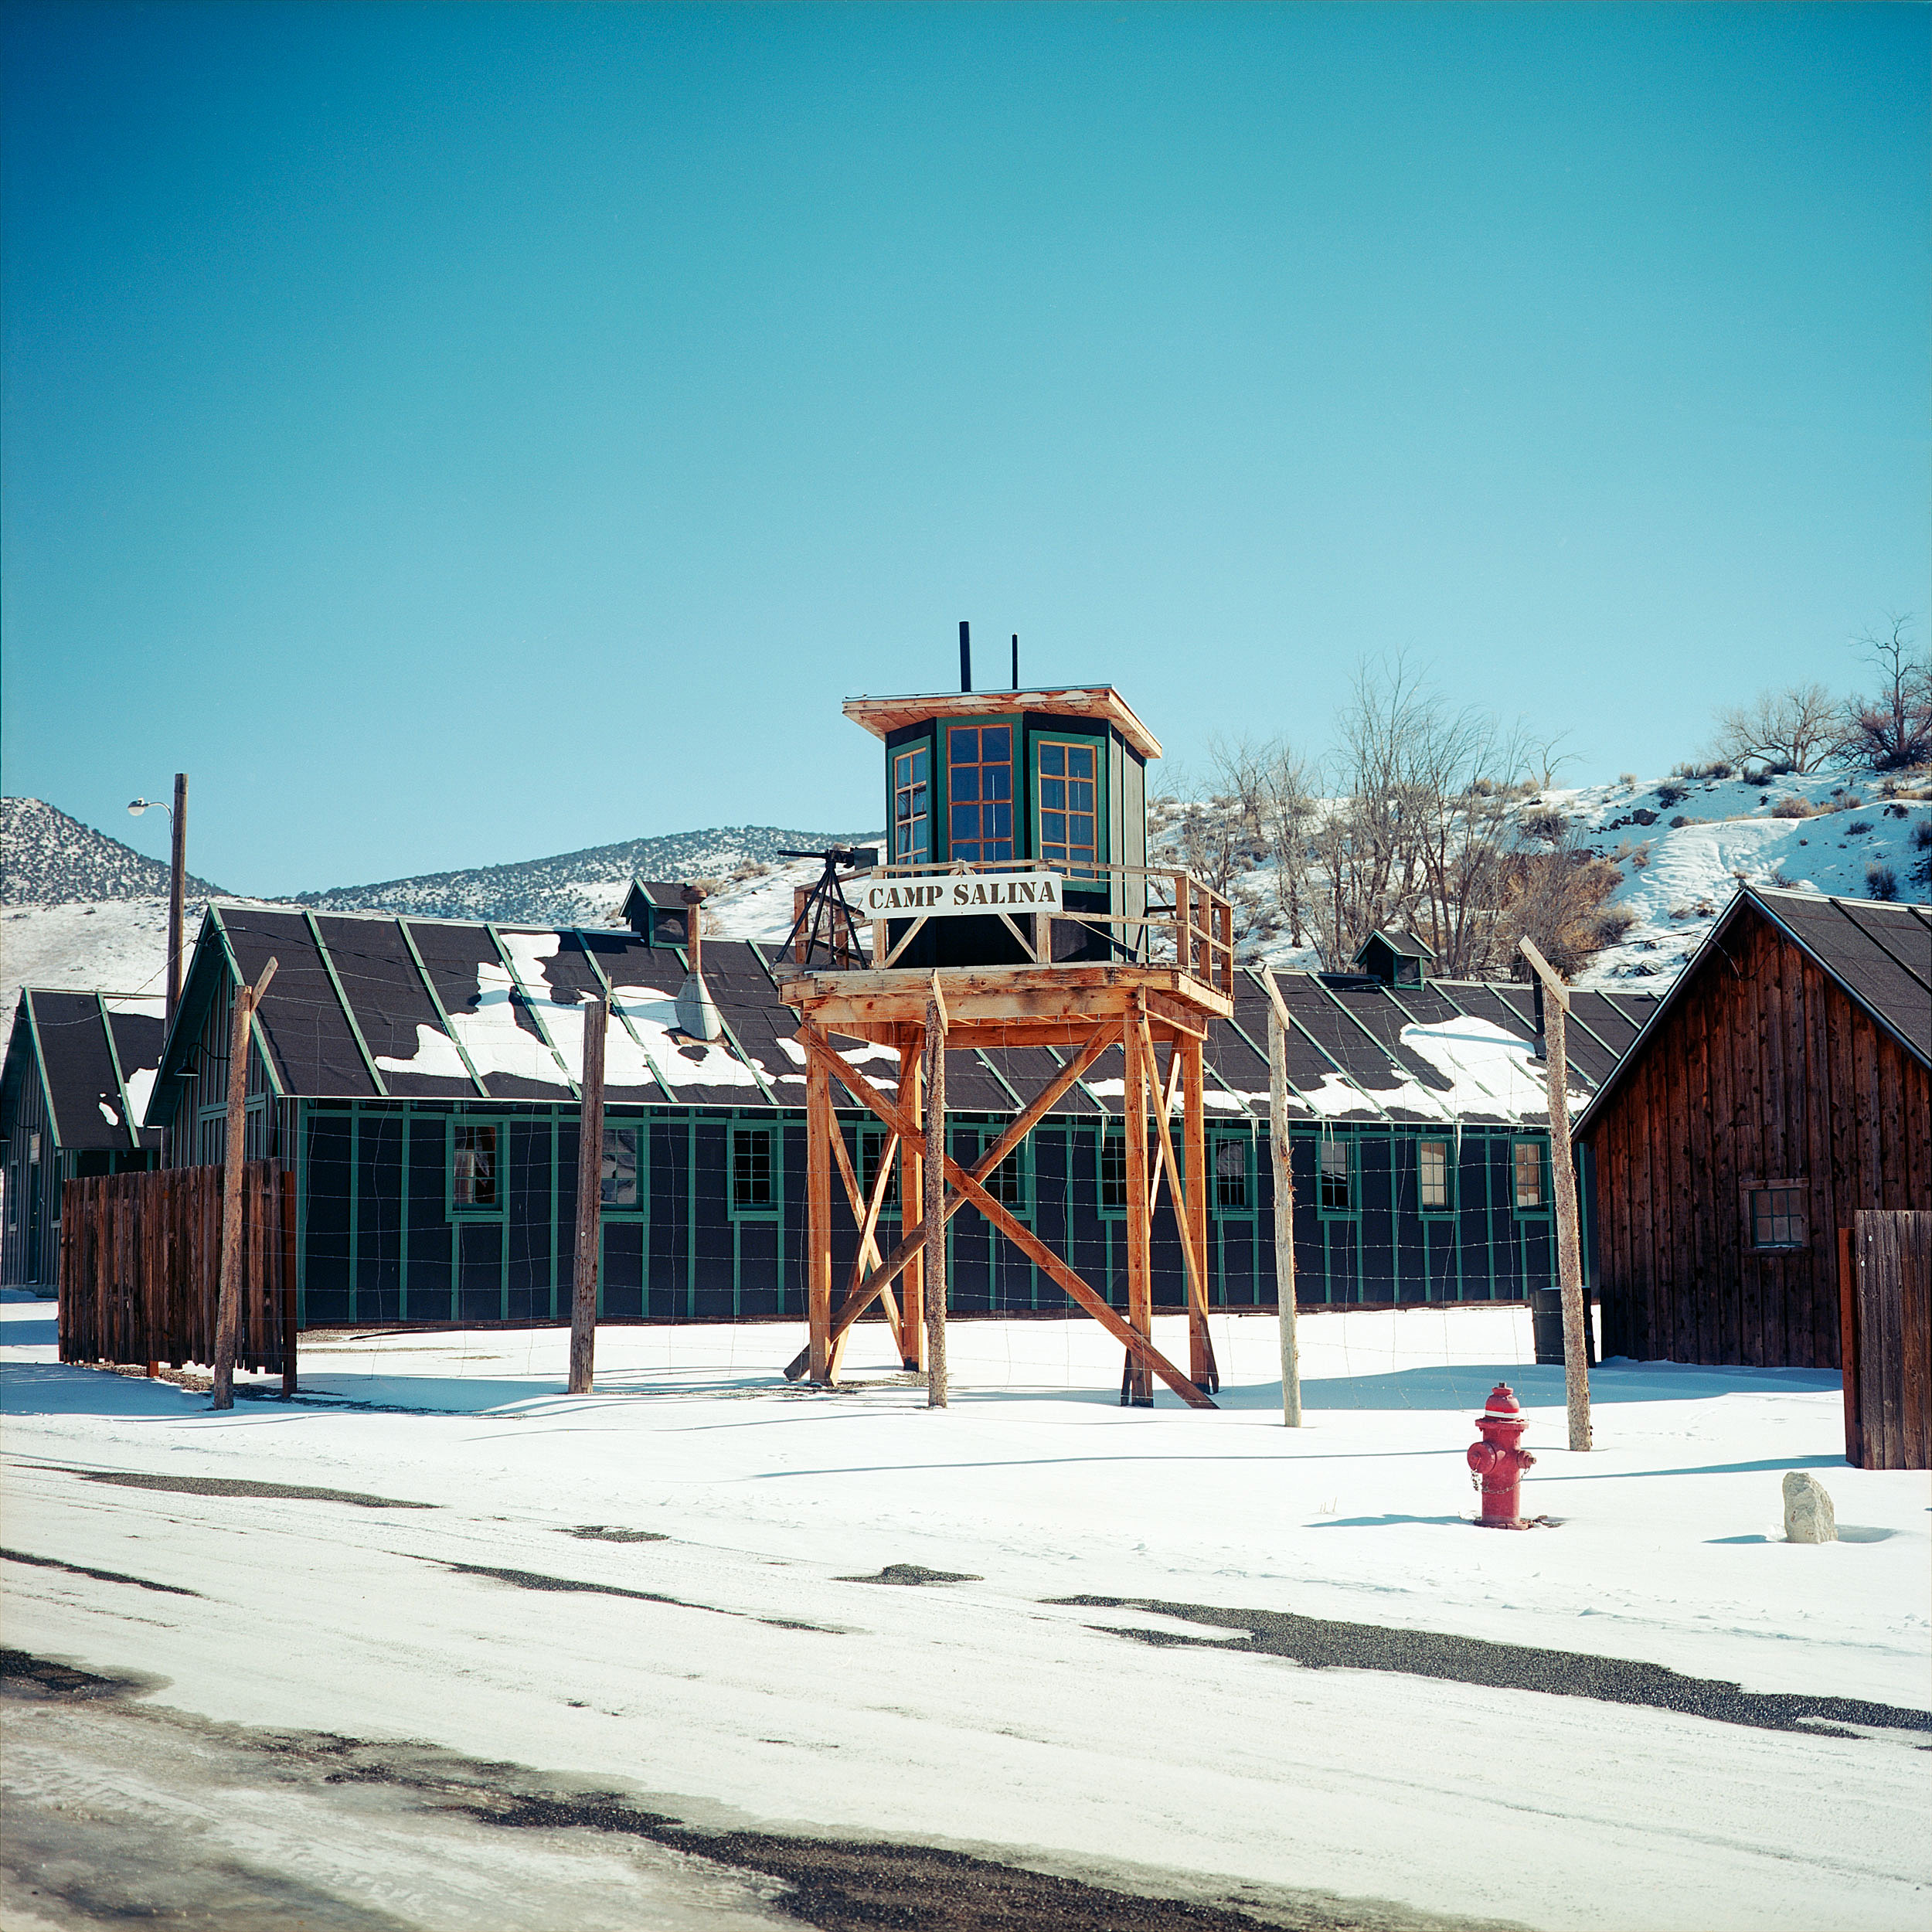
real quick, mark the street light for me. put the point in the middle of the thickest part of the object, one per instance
(178, 816)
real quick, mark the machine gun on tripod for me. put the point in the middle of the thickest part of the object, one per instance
(822, 915)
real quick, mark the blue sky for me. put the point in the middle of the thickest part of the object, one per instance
(460, 433)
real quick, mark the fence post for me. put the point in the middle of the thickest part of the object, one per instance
(228, 1310)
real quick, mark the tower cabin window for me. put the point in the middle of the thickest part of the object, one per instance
(1069, 794)
(979, 791)
(912, 813)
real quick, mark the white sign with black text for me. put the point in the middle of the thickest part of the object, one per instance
(962, 896)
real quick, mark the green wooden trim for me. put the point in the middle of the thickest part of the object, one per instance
(1345, 1139)
(348, 1013)
(775, 1129)
(536, 1019)
(121, 1084)
(1451, 1174)
(1381, 1046)
(942, 785)
(1005, 1086)
(355, 1205)
(650, 1060)
(737, 1045)
(442, 1011)
(452, 1209)
(402, 1218)
(257, 1037)
(1103, 803)
(1545, 1184)
(889, 844)
(1233, 1136)
(40, 1062)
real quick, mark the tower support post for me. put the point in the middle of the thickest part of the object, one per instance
(1137, 1385)
(819, 1127)
(912, 1198)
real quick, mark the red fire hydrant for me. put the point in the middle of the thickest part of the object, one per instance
(1497, 1464)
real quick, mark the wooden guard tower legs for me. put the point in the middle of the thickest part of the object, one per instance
(820, 1125)
(1137, 1385)
(911, 1189)
(1079, 1011)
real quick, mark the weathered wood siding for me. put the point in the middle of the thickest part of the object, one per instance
(1764, 1069)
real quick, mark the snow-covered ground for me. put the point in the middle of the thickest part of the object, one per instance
(1676, 877)
(110, 946)
(741, 1674)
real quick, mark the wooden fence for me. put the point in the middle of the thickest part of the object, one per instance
(1885, 1312)
(141, 1268)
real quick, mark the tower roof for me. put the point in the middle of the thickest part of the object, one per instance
(1101, 702)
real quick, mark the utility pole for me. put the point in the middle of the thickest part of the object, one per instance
(228, 1309)
(584, 1301)
(934, 1082)
(1570, 1263)
(1284, 1201)
(177, 893)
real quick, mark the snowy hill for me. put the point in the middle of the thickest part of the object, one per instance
(1682, 845)
(48, 859)
(1685, 846)
(575, 888)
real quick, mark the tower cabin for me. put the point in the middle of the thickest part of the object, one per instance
(1021, 782)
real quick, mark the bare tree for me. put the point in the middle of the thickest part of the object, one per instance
(1289, 812)
(1892, 732)
(1796, 729)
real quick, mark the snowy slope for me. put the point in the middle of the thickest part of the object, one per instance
(575, 888)
(47, 857)
(108, 946)
(1676, 877)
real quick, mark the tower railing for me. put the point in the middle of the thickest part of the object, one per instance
(1180, 918)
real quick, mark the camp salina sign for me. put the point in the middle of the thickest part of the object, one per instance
(961, 895)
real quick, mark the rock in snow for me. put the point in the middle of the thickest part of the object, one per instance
(1809, 1517)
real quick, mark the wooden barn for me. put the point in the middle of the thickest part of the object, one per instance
(75, 1088)
(1782, 1088)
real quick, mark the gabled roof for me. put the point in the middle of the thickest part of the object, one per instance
(367, 1006)
(95, 1056)
(1404, 945)
(1877, 952)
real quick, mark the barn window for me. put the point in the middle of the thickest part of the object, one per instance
(1774, 1214)
(473, 1173)
(1433, 1168)
(1529, 1158)
(618, 1185)
(1338, 1177)
(751, 1170)
(1113, 1173)
(1231, 1176)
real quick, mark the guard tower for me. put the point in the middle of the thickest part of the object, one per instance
(1017, 910)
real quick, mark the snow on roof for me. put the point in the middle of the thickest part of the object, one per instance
(364, 1006)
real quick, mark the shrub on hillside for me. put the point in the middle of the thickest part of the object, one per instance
(1858, 827)
(1668, 795)
(1881, 881)
(1793, 808)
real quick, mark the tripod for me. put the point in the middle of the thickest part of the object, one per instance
(825, 916)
